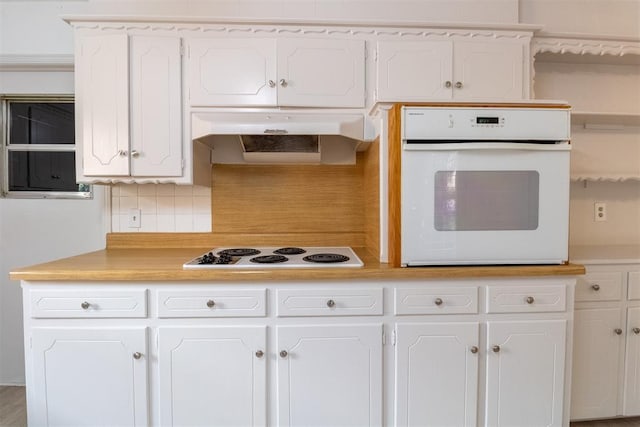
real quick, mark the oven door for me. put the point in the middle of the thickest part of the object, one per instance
(484, 203)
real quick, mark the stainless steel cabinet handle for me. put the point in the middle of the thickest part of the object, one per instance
(134, 153)
(272, 83)
(259, 354)
(211, 303)
(331, 303)
(458, 85)
(137, 355)
(85, 305)
(636, 331)
(284, 354)
(530, 300)
(122, 153)
(473, 349)
(283, 83)
(437, 301)
(447, 84)
(595, 287)
(618, 331)
(495, 348)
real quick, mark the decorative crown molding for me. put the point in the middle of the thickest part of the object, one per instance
(583, 46)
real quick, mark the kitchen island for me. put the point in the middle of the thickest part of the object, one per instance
(126, 336)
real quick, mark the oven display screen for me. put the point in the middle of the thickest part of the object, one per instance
(487, 120)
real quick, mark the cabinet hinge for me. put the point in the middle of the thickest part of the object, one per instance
(181, 49)
(30, 341)
(384, 338)
(156, 341)
(393, 337)
(182, 164)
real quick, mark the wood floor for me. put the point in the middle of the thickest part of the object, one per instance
(13, 412)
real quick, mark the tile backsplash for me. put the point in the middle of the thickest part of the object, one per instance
(163, 207)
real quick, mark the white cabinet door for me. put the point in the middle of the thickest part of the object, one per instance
(525, 373)
(414, 71)
(596, 355)
(89, 376)
(212, 376)
(321, 73)
(631, 402)
(102, 104)
(488, 70)
(156, 114)
(329, 375)
(436, 374)
(231, 72)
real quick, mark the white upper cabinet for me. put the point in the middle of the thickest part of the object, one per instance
(450, 70)
(276, 72)
(129, 107)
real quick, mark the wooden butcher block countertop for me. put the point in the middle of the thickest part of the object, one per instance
(117, 263)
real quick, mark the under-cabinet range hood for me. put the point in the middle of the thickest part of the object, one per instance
(280, 137)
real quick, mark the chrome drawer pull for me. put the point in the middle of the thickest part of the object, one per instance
(284, 354)
(438, 301)
(331, 303)
(259, 354)
(495, 348)
(618, 331)
(211, 303)
(85, 305)
(636, 331)
(595, 287)
(137, 355)
(473, 349)
(530, 300)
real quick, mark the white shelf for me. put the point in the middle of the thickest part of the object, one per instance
(604, 121)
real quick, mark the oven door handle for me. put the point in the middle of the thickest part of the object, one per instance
(481, 146)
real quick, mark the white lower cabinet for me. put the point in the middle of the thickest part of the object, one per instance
(88, 376)
(525, 373)
(436, 374)
(329, 375)
(606, 351)
(363, 353)
(212, 376)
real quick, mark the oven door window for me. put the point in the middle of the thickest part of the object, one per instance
(486, 200)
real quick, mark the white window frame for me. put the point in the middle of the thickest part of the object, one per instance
(7, 147)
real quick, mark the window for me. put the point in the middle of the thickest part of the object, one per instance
(39, 149)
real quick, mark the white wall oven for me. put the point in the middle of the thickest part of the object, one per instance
(485, 185)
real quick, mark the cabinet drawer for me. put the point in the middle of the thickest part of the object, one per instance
(599, 287)
(634, 285)
(212, 303)
(526, 299)
(88, 303)
(444, 300)
(337, 302)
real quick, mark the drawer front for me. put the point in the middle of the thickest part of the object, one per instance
(444, 300)
(599, 287)
(88, 303)
(634, 285)
(213, 303)
(526, 299)
(337, 302)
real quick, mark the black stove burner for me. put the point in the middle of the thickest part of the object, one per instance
(289, 251)
(239, 252)
(326, 258)
(269, 259)
(210, 258)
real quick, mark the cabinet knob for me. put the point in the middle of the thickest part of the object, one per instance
(636, 331)
(437, 301)
(473, 349)
(458, 85)
(618, 331)
(211, 303)
(331, 303)
(85, 305)
(495, 349)
(595, 287)
(272, 83)
(137, 355)
(135, 153)
(447, 84)
(284, 354)
(283, 83)
(530, 300)
(259, 354)
(122, 153)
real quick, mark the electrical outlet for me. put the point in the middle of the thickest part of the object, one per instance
(134, 218)
(599, 211)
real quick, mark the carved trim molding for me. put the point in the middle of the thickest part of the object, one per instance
(585, 46)
(329, 30)
(36, 62)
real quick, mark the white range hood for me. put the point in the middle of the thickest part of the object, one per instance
(280, 137)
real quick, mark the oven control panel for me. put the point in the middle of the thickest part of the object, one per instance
(487, 121)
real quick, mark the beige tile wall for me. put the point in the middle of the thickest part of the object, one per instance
(163, 207)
